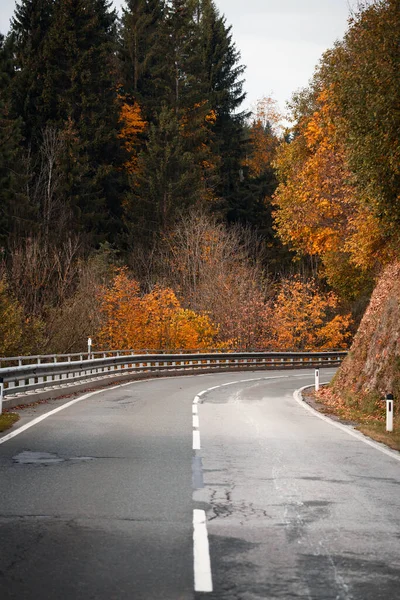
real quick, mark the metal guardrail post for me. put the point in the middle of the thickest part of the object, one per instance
(1, 395)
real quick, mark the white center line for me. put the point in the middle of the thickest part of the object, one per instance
(202, 563)
(196, 423)
(196, 440)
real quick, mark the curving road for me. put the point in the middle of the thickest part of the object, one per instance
(98, 500)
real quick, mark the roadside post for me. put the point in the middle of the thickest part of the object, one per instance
(317, 380)
(89, 347)
(1, 394)
(389, 412)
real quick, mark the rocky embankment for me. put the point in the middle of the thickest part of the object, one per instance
(372, 368)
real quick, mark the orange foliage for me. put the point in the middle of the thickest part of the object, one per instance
(319, 208)
(302, 318)
(263, 138)
(133, 125)
(154, 320)
(314, 198)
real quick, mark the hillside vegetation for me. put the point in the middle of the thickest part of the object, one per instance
(141, 207)
(372, 368)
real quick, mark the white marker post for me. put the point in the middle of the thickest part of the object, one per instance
(89, 347)
(317, 380)
(1, 395)
(389, 412)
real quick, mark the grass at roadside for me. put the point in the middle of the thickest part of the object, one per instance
(377, 431)
(7, 420)
(369, 420)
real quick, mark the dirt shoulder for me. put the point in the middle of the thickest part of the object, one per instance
(373, 426)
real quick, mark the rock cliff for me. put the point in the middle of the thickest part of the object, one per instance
(372, 368)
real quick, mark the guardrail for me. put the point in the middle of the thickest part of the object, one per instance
(27, 378)
(37, 359)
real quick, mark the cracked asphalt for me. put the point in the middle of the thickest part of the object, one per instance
(97, 501)
(296, 508)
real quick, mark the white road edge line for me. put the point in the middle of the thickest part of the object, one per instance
(202, 562)
(23, 428)
(356, 434)
(13, 434)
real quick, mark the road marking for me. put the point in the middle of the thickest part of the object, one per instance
(196, 440)
(201, 547)
(356, 434)
(201, 550)
(215, 387)
(23, 428)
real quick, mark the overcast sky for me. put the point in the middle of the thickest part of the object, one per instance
(280, 41)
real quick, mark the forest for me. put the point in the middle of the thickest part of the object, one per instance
(140, 206)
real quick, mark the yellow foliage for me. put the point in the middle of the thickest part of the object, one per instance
(302, 319)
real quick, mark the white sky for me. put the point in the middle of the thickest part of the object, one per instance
(281, 41)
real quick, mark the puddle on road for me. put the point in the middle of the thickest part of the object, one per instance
(45, 458)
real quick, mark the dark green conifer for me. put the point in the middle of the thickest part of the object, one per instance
(168, 180)
(141, 56)
(16, 217)
(29, 30)
(75, 93)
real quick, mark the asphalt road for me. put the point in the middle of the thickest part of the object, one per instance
(97, 500)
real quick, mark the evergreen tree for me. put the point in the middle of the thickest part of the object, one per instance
(168, 180)
(220, 76)
(76, 95)
(15, 215)
(182, 36)
(29, 30)
(140, 54)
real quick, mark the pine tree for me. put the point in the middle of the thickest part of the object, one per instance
(219, 74)
(168, 180)
(141, 60)
(16, 217)
(29, 30)
(194, 73)
(76, 94)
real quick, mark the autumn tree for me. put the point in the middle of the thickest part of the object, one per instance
(132, 131)
(338, 174)
(151, 321)
(362, 71)
(303, 318)
(318, 211)
(208, 263)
